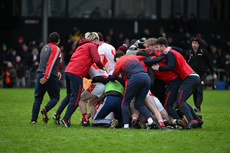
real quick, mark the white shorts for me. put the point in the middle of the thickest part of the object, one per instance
(157, 102)
(96, 89)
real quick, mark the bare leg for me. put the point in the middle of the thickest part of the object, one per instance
(134, 113)
(92, 103)
(149, 102)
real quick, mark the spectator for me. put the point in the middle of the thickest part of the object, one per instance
(9, 76)
(35, 62)
(26, 56)
(3, 58)
(227, 62)
(120, 40)
(12, 56)
(19, 43)
(20, 69)
(76, 33)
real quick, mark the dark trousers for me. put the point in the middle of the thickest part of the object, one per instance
(53, 89)
(110, 104)
(137, 86)
(171, 96)
(74, 87)
(185, 91)
(198, 92)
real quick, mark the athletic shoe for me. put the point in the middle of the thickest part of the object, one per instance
(199, 116)
(134, 124)
(178, 127)
(33, 122)
(196, 109)
(142, 126)
(166, 127)
(200, 123)
(85, 124)
(181, 123)
(113, 124)
(65, 123)
(192, 124)
(56, 119)
(154, 125)
(170, 127)
(44, 115)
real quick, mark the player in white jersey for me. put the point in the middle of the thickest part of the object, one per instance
(106, 52)
(93, 94)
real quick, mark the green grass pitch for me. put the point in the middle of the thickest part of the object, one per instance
(18, 135)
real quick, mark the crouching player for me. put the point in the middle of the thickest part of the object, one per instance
(112, 103)
(93, 94)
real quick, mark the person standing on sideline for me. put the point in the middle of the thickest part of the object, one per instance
(199, 61)
(84, 56)
(48, 78)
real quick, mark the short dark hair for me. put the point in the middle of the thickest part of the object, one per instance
(118, 55)
(162, 41)
(54, 37)
(142, 52)
(100, 36)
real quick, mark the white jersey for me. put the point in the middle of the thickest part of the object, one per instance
(95, 71)
(107, 51)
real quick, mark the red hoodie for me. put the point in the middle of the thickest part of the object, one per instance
(84, 56)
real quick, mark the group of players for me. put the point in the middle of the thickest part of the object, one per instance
(123, 85)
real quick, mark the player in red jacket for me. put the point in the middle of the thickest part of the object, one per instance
(84, 56)
(190, 80)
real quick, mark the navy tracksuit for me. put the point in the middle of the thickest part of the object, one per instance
(53, 89)
(111, 104)
(185, 91)
(74, 87)
(48, 69)
(138, 85)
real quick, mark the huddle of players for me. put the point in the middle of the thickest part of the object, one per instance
(121, 93)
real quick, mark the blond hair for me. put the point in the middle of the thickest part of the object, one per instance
(150, 41)
(91, 36)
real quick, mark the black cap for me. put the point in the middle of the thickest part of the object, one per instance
(196, 39)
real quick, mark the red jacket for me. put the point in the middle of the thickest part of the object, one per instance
(84, 56)
(165, 76)
(182, 68)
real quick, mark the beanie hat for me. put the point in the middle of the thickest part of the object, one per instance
(4, 45)
(123, 48)
(19, 38)
(196, 39)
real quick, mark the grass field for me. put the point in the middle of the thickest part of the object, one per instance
(18, 135)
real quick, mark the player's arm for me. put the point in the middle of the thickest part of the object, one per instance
(94, 54)
(102, 57)
(150, 62)
(171, 62)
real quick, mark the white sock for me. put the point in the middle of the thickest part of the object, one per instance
(150, 120)
(126, 126)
